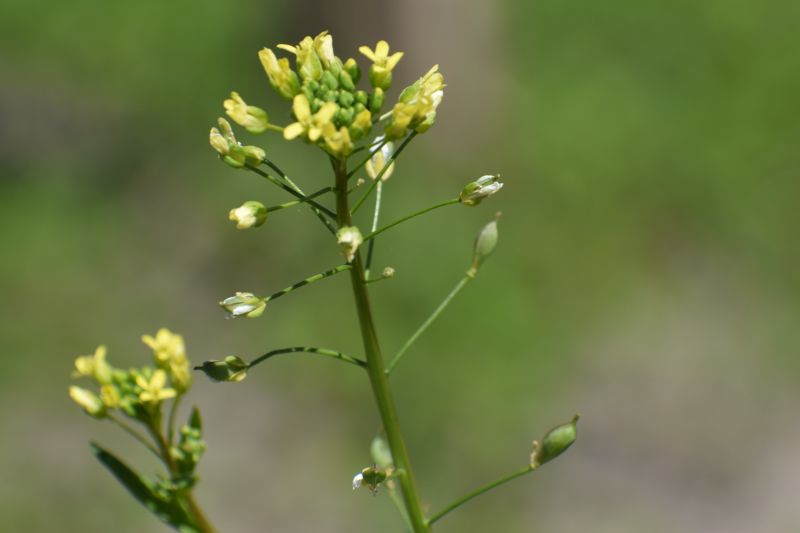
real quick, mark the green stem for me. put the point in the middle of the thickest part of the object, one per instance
(375, 216)
(309, 349)
(310, 279)
(478, 492)
(135, 434)
(173, 411)
(294, 192)
(378, 379)
(396, 359)
(386, 166)
(377, 232)
(293, 203)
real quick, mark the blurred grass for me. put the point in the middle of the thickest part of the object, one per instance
(646, 146)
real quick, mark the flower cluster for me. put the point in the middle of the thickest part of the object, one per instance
(329, 109)
(136, 392)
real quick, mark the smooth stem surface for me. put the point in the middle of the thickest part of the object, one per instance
(297, 202)
(428, 322)
(310, 279)
(409, 217)
(477, 492)
(375, 216)
(292, 190)
(378, 379)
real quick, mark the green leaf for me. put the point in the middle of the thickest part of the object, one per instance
(169, 512)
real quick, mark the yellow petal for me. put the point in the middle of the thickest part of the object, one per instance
(293, 130)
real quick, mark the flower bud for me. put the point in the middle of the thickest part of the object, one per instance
(555, 442)
(90, 402)
(483, 187)
(352, 69)
(376, 101)
(252, 118)
(387, 273)
(253, 155)
(232, 368)
(250, 214)
(329, 80)
(362, 124)
(349, 237)
(281, 76)
(243, 304)
(484, 245)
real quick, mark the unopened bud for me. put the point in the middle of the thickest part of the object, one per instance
(243, 304)
(484, 245)
(350, 238)
(380, 156)
(254, 155)
(90, 402)
(352, 69)
(252, 118)
(376, 101)
(483, 187)
(232, 368)
(555, 442)
(250, 214)
(388, 272)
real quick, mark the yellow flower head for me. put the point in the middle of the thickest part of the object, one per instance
(252, 118)
(323, 44)
(308, 124)
(308, 62)
(110, 396)
(165, 345)
(153, 391)
(281, 76)
(337, 142)
(380, 73)
(94, 366)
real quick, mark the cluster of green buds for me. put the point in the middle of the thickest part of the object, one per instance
(329, 108)
(136, 392)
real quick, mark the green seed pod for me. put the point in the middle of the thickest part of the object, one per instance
(232, 368)
(556, 442)
(485, 243)
(381, 453)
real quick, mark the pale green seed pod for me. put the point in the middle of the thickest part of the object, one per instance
(556, 442)
(485, 243)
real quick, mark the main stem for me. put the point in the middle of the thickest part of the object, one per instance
(375, 366)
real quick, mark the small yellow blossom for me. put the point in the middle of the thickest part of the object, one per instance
(308, 62)
(165, 345)
(281, 76)
(252, 118)
(380, 74)
(337, 142)
(88, 400)
(180, 374)
(349, 237)
(94, 366)
(308, 124)
(323, 44)
(153, 390)
(110, 396)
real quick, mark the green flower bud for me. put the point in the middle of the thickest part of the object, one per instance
(387, 273)
(352, 69)
(555, 442)
(281, 76)
(362, 97)
(376, 101)
(243, 304)
(252, 118)
(485, 243)
(232, 368)
(483, 187)
(329, 96)
(346, 99)
(329, 80)
(250, 214)
(346, 82)
(349, 237)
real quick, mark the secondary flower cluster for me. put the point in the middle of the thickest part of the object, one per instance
(329, 109)
(137, 392)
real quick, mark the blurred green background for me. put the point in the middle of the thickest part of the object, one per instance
(647, 274)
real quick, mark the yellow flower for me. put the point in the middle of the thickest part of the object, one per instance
(180, 373)
(323, 44)
(153, 390)
(362, 124)
(337, 142)
(252, 118)
(88, 400)
(165, 345)
(308, 124)
(281, 76)
(416, 108)
(110, 396)
(380, 74)
(308, 63)
(94, 366)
